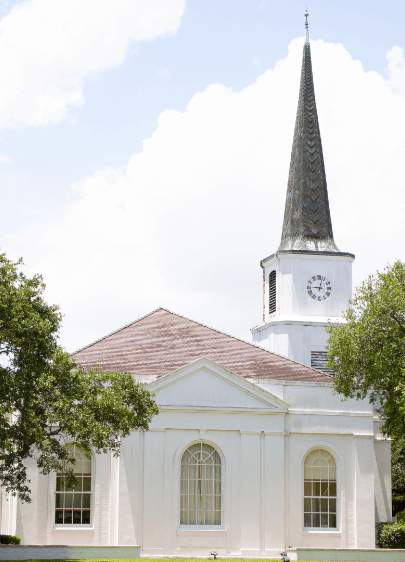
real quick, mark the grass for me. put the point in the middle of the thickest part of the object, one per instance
(155, 560)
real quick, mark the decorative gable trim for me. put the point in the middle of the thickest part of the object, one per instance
(271, 403)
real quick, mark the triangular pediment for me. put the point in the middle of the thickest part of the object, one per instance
(204, 385)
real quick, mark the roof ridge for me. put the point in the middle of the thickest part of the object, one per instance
(118, 330)
(205, 326)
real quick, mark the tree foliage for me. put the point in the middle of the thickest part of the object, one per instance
(398, 476)
(45, 398)
(367, 353)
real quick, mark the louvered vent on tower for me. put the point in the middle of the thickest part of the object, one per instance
(272, 292)
(319, 360)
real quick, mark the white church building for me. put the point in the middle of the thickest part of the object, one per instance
(251, 452)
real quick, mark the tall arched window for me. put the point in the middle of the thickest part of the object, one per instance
(200, 486)
(72, 505)
(272, 292)
(320, 493)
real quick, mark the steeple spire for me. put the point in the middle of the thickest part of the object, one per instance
(307, 223)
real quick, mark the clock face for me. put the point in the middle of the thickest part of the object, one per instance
(319, 288)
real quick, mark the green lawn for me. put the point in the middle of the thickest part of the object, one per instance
(156, 560)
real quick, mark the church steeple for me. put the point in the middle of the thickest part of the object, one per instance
(307, 223)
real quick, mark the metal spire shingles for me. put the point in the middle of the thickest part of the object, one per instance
(307, 223)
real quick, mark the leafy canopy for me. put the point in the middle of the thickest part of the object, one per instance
(367, 355)
(45, 398)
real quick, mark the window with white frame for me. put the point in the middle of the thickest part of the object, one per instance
(200, 486)
(320, 490)
(72, 505)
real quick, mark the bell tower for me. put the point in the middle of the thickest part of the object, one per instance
(308, 281)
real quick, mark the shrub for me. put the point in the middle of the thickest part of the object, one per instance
(9, 539)
(401, 517)
(391, 535)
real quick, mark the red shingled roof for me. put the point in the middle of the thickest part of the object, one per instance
(162, 342)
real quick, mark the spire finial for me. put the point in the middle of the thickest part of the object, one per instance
(306, 26)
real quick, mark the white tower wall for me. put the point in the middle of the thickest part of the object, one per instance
(297, 327)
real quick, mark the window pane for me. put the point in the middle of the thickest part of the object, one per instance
(209, 518)
(183, 501)
(86, 467)
(67, 518)
(183, 486)
(319, 486)
(87, 484)
(68, 500)
(324, 488)
(183, 517)
(200, 486)
(79, 485)
(59, 517)
(77, 500)
(86, 501)
(86, 517)
(192, 487)
(77, 517)
(209, 503)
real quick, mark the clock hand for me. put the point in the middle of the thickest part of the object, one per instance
(319, 288)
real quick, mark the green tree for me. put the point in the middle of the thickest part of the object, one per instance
(398, 475)
(45, 398)
(367, 355)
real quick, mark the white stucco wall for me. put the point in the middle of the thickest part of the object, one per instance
(262, 436)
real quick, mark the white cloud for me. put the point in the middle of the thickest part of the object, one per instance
(185, 225)
(396, 70)
(48, 48)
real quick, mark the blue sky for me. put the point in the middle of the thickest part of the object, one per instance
(191, 236)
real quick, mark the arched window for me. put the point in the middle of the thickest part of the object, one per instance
(200, 486)
(320, 493)
(72, 505)
(272, 292)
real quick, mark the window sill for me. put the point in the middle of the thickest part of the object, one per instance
(324, 532)
(218, 530)
(72, 528)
